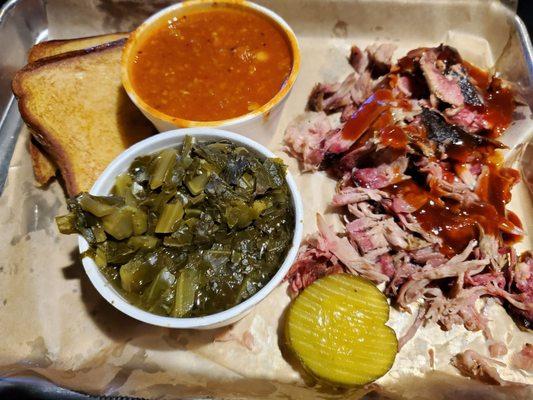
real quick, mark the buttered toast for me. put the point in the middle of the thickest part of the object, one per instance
(54, 47)
(44, 168)
(78, 111)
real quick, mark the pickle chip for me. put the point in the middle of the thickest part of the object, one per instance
(336, 327)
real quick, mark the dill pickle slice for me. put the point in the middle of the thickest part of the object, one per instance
(336, 327)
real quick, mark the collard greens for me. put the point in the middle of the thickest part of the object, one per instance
(190, 231)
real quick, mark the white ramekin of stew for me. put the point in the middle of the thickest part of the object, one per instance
(222, 63)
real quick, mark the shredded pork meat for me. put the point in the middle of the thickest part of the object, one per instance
(472, 364)
(313, 263)
(305, 138)
(422, 202)
(497, 349)
(444, 87)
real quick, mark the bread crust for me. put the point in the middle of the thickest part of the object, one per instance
(43, 49)
(44, 169)
(44, 137)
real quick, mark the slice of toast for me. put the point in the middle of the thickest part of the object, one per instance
(54, 47)
(79, 112)
(44, 168)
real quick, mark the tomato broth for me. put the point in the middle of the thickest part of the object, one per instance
(212, 65)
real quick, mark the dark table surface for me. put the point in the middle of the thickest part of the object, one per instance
(525, 10)
(15, 390)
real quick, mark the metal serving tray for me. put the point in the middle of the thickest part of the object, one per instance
(26, 22)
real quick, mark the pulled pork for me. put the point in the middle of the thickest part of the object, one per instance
(422, 200)
(472, 364)
(305, 138)
(313, 263)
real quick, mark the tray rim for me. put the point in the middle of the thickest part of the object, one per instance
(517, 23)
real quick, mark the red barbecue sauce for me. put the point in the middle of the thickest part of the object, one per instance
(369, 111)
(457, 224)
(454, 223)
(500, 106)
(499, 101)
(393, 136)
(468, 151)
(481, 78)
(513, 218)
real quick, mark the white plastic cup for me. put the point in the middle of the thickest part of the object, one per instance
(259, 124)
(103, 187)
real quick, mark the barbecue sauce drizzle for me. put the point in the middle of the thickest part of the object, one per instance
(369, 111)
(454, 223)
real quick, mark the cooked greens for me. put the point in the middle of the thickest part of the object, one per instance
(191, 231)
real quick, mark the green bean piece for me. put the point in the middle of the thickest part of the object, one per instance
(162, 282)
(182, 237)
(197, 199)
(139, 220)
(157, 202)
(95, 205)
(163, 163)
(187, 146)
(118, 252)
(67, 224)
(191, 222)
(240, 216)
(197, 184)
(243, 292)
(119, 224)
(241, 150)
(260, 205)
(183, 198)
(246, 182)
(171, 215)
(99, 234)
(100, 258)
(123, 185)
(221, 147)
(143, 242)
(232, 216)
(186, 288)
(136, 274)
(127, 193)
(192, 212)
